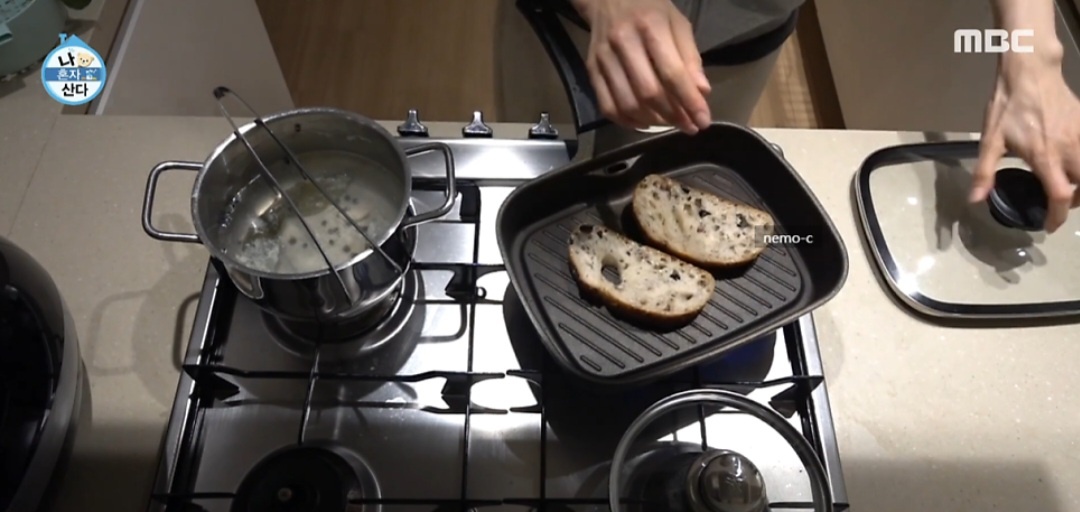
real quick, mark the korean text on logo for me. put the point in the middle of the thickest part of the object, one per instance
(73, 74)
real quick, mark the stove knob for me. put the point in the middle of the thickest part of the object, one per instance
(729, 482)
(477, 128)
(543, 129)
(412, 127)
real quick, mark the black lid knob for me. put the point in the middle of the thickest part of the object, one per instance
(1018, 200)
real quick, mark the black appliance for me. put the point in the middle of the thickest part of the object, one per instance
(41, 382)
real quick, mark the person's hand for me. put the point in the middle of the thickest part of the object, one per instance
(1034, 114)
(644, 64)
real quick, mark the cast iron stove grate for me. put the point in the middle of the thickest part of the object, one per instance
(212, 387)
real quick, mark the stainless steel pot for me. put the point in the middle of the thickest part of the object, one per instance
(232, 198)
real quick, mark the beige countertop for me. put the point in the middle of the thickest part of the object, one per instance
(27, 113)
(928, 418)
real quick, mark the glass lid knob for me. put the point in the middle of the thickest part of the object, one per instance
(726, 481)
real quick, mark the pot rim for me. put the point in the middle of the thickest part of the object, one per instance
(247, 128)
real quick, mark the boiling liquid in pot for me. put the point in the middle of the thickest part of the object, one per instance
(263, 233)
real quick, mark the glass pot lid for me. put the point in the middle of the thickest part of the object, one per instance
(946, 257)
(711, 480)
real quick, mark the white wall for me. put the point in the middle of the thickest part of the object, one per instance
(174, 52)
(894, 66)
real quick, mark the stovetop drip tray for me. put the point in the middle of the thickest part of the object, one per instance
(455, 407)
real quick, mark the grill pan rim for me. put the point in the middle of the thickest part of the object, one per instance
(513, 236)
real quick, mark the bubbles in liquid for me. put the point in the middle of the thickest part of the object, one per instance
(260, 252)
(276, 241)
(230, 209)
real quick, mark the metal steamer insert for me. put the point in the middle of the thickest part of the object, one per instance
(400, 270)
(261, 234)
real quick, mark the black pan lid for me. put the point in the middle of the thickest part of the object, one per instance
(31, 350)
(946, 257)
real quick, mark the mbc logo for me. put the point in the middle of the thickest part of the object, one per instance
(991, 41)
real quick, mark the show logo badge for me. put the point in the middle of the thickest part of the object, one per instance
(73, 74)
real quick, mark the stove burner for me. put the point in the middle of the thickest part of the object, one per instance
(351, 338)
(306, 479)
(337, 331)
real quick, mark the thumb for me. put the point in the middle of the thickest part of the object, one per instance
(703, 82)
(991, 149)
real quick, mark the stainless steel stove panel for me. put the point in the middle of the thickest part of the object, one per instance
(426, 450)
(419, 445)
(494, 160)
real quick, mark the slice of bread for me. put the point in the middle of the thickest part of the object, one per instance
(651, 287)
(697, 226)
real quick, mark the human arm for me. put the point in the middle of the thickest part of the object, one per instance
(1032, 111)
(644, 64)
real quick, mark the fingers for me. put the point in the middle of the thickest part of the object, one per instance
(1072, 168)
(655, 69)
(676, 75)
(1038, 121)
(636, 61)
(1059, 192)
(991, 149)
(604, 100)
(624, 107)
(646, 70)
(687, 47)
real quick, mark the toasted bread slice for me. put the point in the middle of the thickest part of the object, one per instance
(697, 226)
(652, 287)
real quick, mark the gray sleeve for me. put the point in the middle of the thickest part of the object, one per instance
(723, 22)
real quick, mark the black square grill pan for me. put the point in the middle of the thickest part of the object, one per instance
(787, 281)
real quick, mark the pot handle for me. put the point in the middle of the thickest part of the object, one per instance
(148, 202)
(451, 185)
(568, 62)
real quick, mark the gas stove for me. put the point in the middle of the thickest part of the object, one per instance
(449, 402)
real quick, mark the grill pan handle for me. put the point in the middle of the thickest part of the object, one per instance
(568, 62)
(617, 164)
(148, 202)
